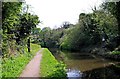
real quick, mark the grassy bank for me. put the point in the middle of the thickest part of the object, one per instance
(13, 66)
(50, 67)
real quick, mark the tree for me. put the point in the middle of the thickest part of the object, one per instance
(10, 16)
(66, 24)
(113, 8)
(27, 23)
(88, 30)
(36, 35)
(45, 36)
(16, 26)
(10, 22)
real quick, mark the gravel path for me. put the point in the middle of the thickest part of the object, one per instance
(33, 67)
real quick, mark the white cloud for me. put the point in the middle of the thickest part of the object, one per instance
(54, 12)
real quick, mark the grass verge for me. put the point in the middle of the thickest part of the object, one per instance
(50, 67)
(13, 66)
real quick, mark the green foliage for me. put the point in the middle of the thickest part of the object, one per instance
(51, 37)
(27, 23)
(10, 16)
(113, 8)
(45, 36)
(13, 66)
(59, 72)
(90, 30)
(115, 53)
(106, 22)
(8, 45)
(10, 21)
(82, 34)
(35, 36)
(16, 26)
(50, 67)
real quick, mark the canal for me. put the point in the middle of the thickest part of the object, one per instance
(86, 65)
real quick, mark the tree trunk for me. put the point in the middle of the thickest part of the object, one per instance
(118, 20)
(28, 44)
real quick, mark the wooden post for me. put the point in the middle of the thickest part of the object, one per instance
(28, 44)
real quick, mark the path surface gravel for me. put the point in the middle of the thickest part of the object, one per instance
(33, 67)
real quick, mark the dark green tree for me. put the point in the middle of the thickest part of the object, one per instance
(10, 16)
(45, 36)
(27, 23)
(113, 8)
(10, 23)
(35, 35)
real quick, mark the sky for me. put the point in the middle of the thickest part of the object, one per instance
(52, 13)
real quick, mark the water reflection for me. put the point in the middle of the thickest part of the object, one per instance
(93, 67)
(72, 73)
(108, 72)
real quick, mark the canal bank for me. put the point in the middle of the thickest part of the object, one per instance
(49, 67)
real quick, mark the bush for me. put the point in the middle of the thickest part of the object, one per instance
(59, 71)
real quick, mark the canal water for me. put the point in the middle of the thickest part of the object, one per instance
(86, 66)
